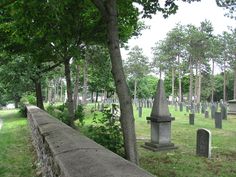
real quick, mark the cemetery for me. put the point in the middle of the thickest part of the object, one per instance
(108, 88)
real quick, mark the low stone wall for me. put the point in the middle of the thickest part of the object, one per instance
(64, 152)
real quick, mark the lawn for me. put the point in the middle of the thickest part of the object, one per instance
(183, 161)
(17, 157)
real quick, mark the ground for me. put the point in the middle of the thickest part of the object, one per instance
(17, 156)
(183, 161)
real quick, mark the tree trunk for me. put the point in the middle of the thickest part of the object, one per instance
(76, 87)
(180, 80)
(191, 81)
(69, 92)
(212, 81)
(199, 84)
(235, 82)
(85, 83)
(196, 84)
(224, 89)
(39, 96)
(109, 12)
(173, 84)
(61, 94)
(135, 91)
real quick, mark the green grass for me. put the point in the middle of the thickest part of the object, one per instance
(16, 152)
(183, 161)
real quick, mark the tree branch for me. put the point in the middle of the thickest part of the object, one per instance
(101, 7)
(2, 5)
(51, 67)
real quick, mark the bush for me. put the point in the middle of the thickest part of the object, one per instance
(26, 99)
(106, 130)
(59, 112)
(79, 114)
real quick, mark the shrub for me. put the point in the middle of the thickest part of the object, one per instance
(26, 99)
(106, 130)
(79, 114)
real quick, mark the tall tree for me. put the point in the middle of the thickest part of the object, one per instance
(136, 67)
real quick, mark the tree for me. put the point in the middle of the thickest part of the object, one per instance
(136, 67)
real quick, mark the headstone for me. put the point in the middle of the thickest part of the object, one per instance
(206, 114)
(223, 111)
(187, 108)
(203, 143)
(192, 107)
(160, 122)
(102, 107)
(181, 107)
(198, 107)
(140, 112)
(213, 110)
(191, 119)
(232, 107)
(176, 106)
(203, 108)
(218, 120)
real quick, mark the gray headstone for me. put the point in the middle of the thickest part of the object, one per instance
(218, 120)
(213, 110)
(223, 111)
(192, 107)
(176, 106)
(187, 108)
(191, 119)
(198, 107)
(203, 143)
(140, 112)
(181, 107)
(203, 108)
(206, 114)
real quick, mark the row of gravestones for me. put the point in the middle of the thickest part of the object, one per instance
(160, 120)
(218, 119)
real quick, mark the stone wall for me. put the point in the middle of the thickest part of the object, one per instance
(64, 152)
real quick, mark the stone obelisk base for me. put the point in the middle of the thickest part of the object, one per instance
(159, 147)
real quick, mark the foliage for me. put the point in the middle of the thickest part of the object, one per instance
(79, 114)
(106, 131)
(60, 112)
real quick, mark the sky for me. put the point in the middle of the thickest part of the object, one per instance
(192, 13)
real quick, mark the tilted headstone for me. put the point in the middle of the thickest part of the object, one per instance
(203, 108)
(203, 143)
(160, 122)
(181, 107)
(191, 119)
(206, 114)
(187, 108)
(198, 107)
(213, 110)
(192, 107)
(102, 107)
(223, 111)
(218, 120)
(176, 106)
(140, 112)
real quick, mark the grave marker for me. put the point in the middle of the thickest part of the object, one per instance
(218, 120)
(191, 119)
(203, 143)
